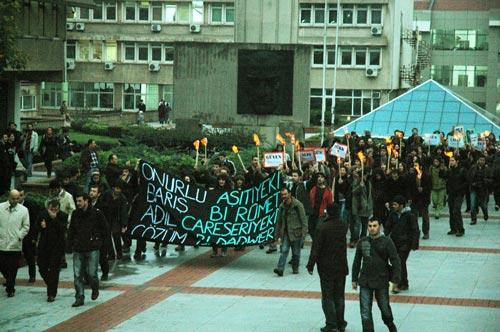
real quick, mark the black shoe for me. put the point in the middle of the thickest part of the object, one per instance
(295, 271)
(497, 207)
(451, 233)
(50, 299)
(78, 303)
(425, 237)
(10, 294)
(278, 272)
(261, 246)
(328, 329)
(104, 277)
(473, 222)
(271, 250)
(126, 250)
(95, 294)
(290, 262)
(403, 287)
(32, 280)
(460, 234)
(467, 211)
(485, 217)
(64, 265)
(137, 257)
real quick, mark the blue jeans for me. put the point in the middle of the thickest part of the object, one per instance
(476, 202)
(357, 224)
(28, 162)
(285, 248)
(365, 303)
(88, 260)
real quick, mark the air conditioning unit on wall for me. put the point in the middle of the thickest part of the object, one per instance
(109, 66)
(155, 27)
(154, 66)
(70, 64)
(80, 26)
(195, 28)
(376, 30)
(371, 71)
(70, 26)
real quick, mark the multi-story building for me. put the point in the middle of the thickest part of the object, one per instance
(42, 31)
(122, 51)
(464, 41)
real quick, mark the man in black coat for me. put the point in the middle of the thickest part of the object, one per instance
(329, 252)
(480, 178)
(419, 188)
(86, 234)
(456, 184)
(402, 228)
(115, 209)
(52, 225)
(112, 171)
(370, 269)
(29, 241)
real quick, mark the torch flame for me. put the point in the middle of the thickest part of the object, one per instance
(291, 136)
(419, 171)
(280, 139)
(361, 156)
(390, 148)
(448, 154)
(297, 145)
(256, 139)
(486, 133)
(399, 134)
(235, 149)
(196, 144)
(204, 141)
(388, 140)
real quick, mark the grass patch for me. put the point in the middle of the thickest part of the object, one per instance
(82, 138)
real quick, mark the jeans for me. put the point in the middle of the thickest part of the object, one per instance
(285, 248)
(356, 223)
(90, 261)
(478, 201)
(333, 301)
(365, 303)
(437, 197)
(27, 162)
(455, 206)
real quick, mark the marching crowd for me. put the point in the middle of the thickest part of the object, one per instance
(379, 190)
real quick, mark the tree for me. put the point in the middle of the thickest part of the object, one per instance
(10, 55)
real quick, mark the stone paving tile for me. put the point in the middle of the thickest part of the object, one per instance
(29, 310)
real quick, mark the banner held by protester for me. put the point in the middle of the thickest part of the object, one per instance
(174, 211)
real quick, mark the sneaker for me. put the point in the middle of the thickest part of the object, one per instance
(460, 234)
(50, 299)
(10, 294)
(451, 233)
(95, 294)
(104, 277)
(271, 250)
(425, 237)
(78, 303)
(473, 222)
(278, 272)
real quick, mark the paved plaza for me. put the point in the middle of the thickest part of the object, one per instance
(454, 286)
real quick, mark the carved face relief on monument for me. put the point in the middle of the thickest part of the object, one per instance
(265, 82)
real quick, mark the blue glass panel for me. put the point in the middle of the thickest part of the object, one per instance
(449, 117)
(436, 96)
(405, 97)
(425, 86)
(450, 97)
(467, 117)
(380, 128)
(394, 125)
(435, 106)
(416, 117)
(401, 105)
(418, 106)
(419, 95)
(429, 127)
(432, 117)
(399, 116)
(411, 125)
(451, 106)
(381, 116)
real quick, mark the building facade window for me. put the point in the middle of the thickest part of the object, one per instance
(459, 39)
(362, 15)
(51, 94)
(317, 57)
(376, 14)
(71, 49)
(28, 97)
(134, 92)
(111, 51)
(86, 50)
(360, 57)
(157, 12)
(347, 14)
(222, 13)
(460, 75)
(97, 95)
(168, 94)
(143, 52)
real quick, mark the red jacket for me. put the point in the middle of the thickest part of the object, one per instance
(327, 199)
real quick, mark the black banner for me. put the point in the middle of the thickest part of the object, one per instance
(171, 210)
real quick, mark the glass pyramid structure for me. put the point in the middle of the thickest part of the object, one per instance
(427, 107)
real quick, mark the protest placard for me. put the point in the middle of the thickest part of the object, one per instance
(307, 156)
(274, 159)
(339, 150)
(320, 155)
(171, 210)
(432, 139)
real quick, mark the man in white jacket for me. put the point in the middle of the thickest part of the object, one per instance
(29, 148)
(14, 225)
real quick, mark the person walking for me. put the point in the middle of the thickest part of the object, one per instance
(362, 205)
(329, 252)
(29, 148)
(438, 186)
(402, 228)
(14, 226)
(372, 272)
(456, 183)
(162, 110)
(52, 226)
(49, 148)
(87, 231)
(291, 229)
(479, 183)
(319, 196)
(89, 162)
(420, 196)
(115, 209)
(97, 203)
(29, 241)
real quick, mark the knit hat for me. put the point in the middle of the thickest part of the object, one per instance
(401, 200)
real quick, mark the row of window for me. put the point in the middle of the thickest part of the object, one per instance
(464, 76)
(348, 102)
(348, 57)
(99, 95)
(314, 14)
(459, 39)
(97, 50)
(157, 12)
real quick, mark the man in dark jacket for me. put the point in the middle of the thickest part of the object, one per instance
(86, 233)
(456, 183)
(29, 241)
(115, 210)
(52, 225)
(479, 182)
(112, 171)
(402, 228)
(89, 162)
(419, 188)
(329, 251)
(374, 252)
